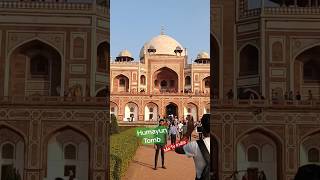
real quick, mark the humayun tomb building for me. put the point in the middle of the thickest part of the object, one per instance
(160, 83)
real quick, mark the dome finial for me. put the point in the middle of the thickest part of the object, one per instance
(162, 30)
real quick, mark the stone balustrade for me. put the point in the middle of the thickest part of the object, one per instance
(52, 6)
(159, 94)
(250, 13)
(125, 62)
(270, 11)
(292, 10)
(45, 5)
(267, 103)
(52, 100)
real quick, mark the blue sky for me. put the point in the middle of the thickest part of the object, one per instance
(134, 22)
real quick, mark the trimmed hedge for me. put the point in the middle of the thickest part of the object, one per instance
(123, 149)
(114, 127)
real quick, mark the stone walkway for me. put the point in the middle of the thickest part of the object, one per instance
(141, 168)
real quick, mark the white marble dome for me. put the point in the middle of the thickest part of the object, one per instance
(125, 53)
(203, 55)
(164, 45)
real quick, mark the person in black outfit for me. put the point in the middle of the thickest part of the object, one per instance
(230, 94)
(160, 147)
(298, 96)
(308, 172)
(199, 129)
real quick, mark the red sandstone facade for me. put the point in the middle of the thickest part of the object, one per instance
(53, 64)
(261, 50)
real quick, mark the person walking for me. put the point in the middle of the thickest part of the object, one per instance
(199, 150)
(176, 120)
(286, 96)
(251, 97)
(190, 126)
(180, 130)
(310, 96)
(298, 96)
(160, 147)
(199, 129)
(184, 129)
(230, 94)
(71, 175)
(273, 95)
(173, 133)
(290, 95)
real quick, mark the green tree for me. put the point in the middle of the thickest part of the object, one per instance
(114, 127)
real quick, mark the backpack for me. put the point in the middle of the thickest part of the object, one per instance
(205, 175)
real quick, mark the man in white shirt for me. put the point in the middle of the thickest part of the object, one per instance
(173, 131)
(180, 125)
(192, 149)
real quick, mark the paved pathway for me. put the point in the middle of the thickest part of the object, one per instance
(178, 166)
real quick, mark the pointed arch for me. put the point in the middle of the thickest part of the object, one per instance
(171, 108)
(298, 53)
(67, 127)
(313, 132)
(248, 60)
(33, 39)
(114, 108)
(102, 92)
(41, 54)
(13, 148)
(192, 109)
(151, 111)
(206, 84)
(307, 143)
(15, 130)
(103, 55)
(131, 111)
(53, 132)
(165, 79)
(273, 137)
(121, 83)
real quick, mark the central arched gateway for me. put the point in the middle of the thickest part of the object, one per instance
(172, 109)
(35, 69)
(165, 80)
